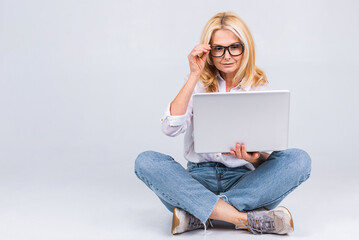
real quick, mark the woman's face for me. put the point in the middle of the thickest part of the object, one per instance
(226, 64)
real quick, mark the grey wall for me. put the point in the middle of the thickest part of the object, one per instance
(83, 85)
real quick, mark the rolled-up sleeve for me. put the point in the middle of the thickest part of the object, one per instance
(175, 125)
(174, 121)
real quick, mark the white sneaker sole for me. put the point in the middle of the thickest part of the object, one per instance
(288, 217)
(179, 221)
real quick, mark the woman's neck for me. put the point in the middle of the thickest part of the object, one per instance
(228, 77)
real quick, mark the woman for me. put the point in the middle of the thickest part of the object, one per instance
(237, 187)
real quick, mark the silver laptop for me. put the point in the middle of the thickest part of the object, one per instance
(259, 119)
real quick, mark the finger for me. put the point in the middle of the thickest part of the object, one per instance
(202, 50)
(228, 154)
(244, 152)
(252, 155)
(196, 53)
(204, 56)
(202, 46)
(238, 151)
(232, 152)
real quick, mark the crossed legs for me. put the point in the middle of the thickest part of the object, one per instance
(264, 187)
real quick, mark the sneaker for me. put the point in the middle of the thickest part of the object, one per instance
(183, 221)
(277, 221)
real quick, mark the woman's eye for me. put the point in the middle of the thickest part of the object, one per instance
(218, 48)
(235, 46)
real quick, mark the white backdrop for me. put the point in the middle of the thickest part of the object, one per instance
(84, 83)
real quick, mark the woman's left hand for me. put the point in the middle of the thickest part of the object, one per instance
(241, 153)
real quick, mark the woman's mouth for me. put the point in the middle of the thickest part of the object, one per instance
(227, 64)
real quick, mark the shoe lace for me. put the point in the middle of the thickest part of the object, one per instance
(194, 223)
(258, 225)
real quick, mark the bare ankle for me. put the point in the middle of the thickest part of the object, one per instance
(241, 218)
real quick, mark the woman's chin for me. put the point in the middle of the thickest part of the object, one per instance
(228, 70)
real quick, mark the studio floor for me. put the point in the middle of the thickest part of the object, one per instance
(324, 207)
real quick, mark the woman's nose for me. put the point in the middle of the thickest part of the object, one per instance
(226, 54)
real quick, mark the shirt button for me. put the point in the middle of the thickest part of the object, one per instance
(217, 155)
(161, 119)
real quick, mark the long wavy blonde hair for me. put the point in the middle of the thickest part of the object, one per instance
(248, 74)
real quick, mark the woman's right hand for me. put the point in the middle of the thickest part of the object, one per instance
(197, 58)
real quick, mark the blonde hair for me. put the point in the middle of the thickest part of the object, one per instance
(248, 74)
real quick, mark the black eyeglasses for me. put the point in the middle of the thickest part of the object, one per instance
(234, 50)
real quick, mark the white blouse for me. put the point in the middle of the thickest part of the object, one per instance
(175, 125)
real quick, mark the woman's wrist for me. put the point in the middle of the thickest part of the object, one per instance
(194, 75)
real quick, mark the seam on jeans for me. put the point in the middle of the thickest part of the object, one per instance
(286, 193)
(234, 184)
(218, 175)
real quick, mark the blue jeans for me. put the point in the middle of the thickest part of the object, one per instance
(197, 189)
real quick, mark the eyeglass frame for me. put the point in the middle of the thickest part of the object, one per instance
(227, 49)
